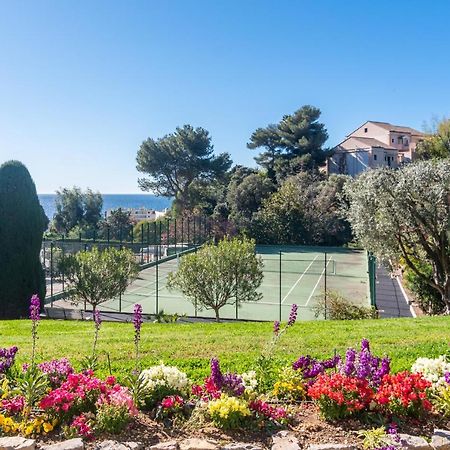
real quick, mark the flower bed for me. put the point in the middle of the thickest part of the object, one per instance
(350, 392)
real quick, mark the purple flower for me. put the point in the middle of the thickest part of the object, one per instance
(292, 315)
(364, 367)
(7, 356)
(137, 317)
(302, 363)
(216, 374)
(276, 327)
(35, 308)
(56, 370)
(349, 366)
(447, 377)
(233, 384)
(365, 345)
(97, 319)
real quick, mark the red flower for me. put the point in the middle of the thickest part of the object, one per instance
(404, 394)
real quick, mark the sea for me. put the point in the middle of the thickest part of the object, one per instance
(113, 201)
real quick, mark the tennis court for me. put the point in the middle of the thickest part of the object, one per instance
(292, 274)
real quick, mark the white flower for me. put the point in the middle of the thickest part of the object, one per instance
(167, 376)
(432, 370)
(249, 381)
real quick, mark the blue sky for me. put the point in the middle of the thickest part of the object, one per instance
(83, 83)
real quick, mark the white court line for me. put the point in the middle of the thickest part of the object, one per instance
(298, 281)
(317, 284)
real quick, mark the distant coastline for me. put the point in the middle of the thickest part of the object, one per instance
(113, 201)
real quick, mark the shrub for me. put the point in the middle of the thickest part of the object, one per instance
(220, 275)
(337, 307)
(22, 224)
(97, 276)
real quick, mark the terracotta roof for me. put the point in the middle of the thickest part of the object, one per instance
(369, 142)
(397, 128)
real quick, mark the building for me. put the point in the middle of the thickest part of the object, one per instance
(138, 214)
(373, 145)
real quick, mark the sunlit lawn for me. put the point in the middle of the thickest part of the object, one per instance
(190, 346)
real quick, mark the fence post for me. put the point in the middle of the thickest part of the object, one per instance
(372, 278)
(182, 233)
(51, 273)
(175, 233)
(237, 299)
(188, 236)
(62, 255)
(280, 296)
(157, 284)
(160, 238)
(142, 243)
(325, 286)
(148, 241)
(193, 232)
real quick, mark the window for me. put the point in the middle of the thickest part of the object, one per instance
(365, 130)
(393, 140)
(400, 140)
(374, 157)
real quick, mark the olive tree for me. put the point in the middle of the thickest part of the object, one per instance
(96, 276)
(403, 215)
(216, 276)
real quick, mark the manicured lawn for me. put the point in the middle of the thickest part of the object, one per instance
(190, 346)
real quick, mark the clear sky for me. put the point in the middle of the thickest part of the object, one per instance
(83, 83)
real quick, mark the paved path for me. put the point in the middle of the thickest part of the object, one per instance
(390, 299)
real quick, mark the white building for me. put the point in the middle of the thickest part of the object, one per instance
(138, 214)
(372, 145)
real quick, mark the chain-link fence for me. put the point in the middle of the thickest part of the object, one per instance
(151, 243)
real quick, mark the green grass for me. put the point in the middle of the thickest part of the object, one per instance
(190, 346)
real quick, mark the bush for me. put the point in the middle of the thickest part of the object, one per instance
(427, 297)
(220, 275)
(338, 307)
(96, 276)
(22, 224)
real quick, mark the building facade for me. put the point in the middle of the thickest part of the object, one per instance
(373, 145)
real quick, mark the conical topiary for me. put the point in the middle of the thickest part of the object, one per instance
(22, 223)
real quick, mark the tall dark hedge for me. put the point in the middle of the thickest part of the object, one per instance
(22, 223)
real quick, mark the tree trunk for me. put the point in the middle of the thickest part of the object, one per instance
(216, 310)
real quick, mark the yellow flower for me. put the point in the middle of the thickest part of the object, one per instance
(48, 427)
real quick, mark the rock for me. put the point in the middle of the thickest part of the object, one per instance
(414, 442)
(331, 447)
(169, 445)
(197, 444)
(441, 440)
(285, 440)
(241, 446)
(17, 443)
(114, 445)
(71, 444)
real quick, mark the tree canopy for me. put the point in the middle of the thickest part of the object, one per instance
(437, 144)
(176, 160)
(294, 144)
(22, 223)
(215, 276)
(75, 208)
(97, 276)
(403, 215)
(306, 209)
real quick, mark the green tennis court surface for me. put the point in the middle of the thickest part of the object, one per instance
(296, 275)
